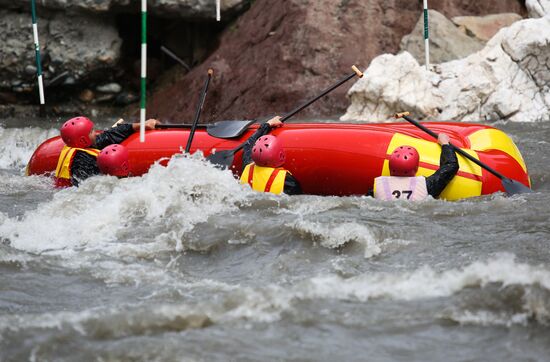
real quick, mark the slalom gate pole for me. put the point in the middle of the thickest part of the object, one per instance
(42, 111)
(218, 11)
(426, 36)
(143, 70)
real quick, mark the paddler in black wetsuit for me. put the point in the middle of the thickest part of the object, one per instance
(263, 158)
(402, 182)
(78, 158)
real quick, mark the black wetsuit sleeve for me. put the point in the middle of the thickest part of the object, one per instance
(247, 148)
(83, 166)
(113, 135)
(448, 167)
(292, 187)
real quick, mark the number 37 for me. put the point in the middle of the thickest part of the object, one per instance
(398, 193)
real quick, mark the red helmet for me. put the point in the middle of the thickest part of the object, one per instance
(404, 161)
(76, 132)
(113, 160)
(268, 152)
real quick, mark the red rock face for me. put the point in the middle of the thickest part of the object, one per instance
(282, 52)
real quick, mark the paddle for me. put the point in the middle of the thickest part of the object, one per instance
(220, 129)
(512, 187)
(225, 158)
(198, 112)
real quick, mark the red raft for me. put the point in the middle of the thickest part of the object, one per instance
(336, 158)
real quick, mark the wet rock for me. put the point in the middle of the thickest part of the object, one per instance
(126, 98)
(109, 88)
(508, 79)
(30, 70)
(168, 8)
(86, 95)
(6, 97)
(538, 8)
(78, 44)
(447, 42)
(485, 27)
(105, 98)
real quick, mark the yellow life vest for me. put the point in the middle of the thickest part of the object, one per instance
(264, 179)
(63, 169)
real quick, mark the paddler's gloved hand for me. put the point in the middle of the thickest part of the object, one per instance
(443, 139)
(275, 122)
(149, 124)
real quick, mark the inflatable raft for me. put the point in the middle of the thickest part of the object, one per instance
(335, 158)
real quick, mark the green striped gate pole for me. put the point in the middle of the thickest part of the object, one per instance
(42, 112)
(426, 36)
(218, 11)
(143, 69)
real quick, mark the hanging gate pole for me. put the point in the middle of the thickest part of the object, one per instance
(218, 11)
(42, 111)
(143, 70)
(426, 35)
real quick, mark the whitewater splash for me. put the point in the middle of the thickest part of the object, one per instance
(18, 144)
(163, 204)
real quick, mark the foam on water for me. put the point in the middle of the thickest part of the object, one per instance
(268, 304)
(18, 144)
(162, 205)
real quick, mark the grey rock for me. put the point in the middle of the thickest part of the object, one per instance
(109, 88)
(447, 42)
(75, 43)
(30, 70)
(167, 8)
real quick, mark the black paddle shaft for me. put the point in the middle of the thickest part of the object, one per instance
(325, 92)
(310, 101)
(456, 149)
(198, 112)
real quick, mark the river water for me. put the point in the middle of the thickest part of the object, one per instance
(185, 264)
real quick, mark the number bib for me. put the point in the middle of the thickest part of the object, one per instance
(405, 188)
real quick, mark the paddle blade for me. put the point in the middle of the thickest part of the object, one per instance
(223, 159)
(513, 187)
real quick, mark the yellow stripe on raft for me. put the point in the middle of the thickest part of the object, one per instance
(494, 139)
(460, 187)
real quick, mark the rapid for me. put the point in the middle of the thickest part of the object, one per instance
(185, 264)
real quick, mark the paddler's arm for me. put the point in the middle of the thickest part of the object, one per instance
(83, 166)
(292, 187)
(261, 131)
(120, 133)
(448, 168)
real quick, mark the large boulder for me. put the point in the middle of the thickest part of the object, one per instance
(281, 52)
(447, 42)
(485, 27)
(538, 8)
(168, 8)
(509, 79)
(78, 45)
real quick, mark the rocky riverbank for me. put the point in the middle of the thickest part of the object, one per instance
(267, 55)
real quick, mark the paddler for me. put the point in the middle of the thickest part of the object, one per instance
(263, 160)
(403, 182)
(78, 158)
